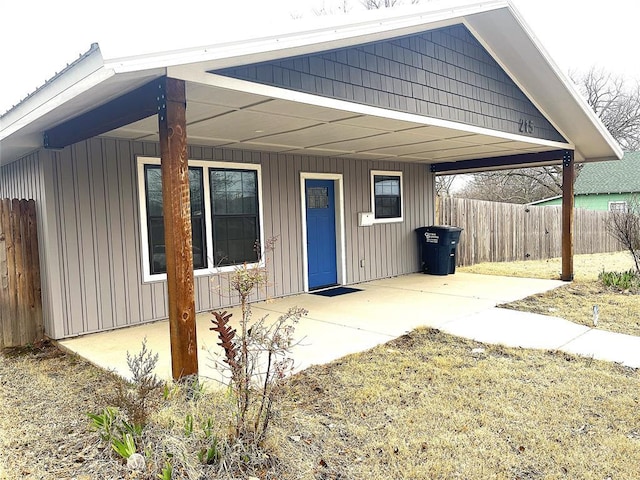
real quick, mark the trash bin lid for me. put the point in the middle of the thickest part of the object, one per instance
(444, 228)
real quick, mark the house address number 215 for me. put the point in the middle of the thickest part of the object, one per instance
(526, 126)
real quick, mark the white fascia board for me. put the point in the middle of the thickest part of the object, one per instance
(81, 77)
(304, 42)
(569, 86)
(544, 200)
(197, 76)
(530, 66)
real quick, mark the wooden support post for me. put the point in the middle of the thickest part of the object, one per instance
(177, 227)
(568, 176)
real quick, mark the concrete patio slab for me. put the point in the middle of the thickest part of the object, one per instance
(491, 287)
(462, 304)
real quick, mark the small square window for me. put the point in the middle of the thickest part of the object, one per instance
(620, 207)
(386, 194)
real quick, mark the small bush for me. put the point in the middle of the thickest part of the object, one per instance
(256, 359)
(625, 281)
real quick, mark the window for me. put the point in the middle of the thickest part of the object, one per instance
(225, 216)
(155, 218)
(618, 207)
(386, 196)
(234, 195)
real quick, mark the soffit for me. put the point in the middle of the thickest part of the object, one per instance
(233, 119)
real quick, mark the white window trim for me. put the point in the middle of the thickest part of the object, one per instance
(619, 202)
(210, 269)
(373, 173)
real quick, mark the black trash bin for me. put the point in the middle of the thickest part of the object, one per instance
(438, 245)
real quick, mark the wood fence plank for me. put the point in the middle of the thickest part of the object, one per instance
(5, 314)
(20, 278)
(28, 328)
(35, 286)
(10, 328)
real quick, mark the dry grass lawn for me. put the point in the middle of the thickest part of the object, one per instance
(618, 311)
(586, 267)
(425, 406)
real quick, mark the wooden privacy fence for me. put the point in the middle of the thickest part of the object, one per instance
(20, 300)
(504, 232)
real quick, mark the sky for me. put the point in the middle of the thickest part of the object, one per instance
(40, 37)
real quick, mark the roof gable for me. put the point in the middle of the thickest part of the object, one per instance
(610, 177)
(444, 73)
(95, 81)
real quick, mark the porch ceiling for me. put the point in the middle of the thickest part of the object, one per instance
(218, 116)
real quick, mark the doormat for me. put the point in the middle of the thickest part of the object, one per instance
(334, 292)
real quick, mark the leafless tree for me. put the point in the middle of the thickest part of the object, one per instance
(514, 186)
(342, 6)
(377, 4)
(615, 102)
(625, 227)
(611, 98)
(443, 185)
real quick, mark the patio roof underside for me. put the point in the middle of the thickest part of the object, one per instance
(282, 121)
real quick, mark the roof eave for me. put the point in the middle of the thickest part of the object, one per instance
(346, 33)
(528, 63)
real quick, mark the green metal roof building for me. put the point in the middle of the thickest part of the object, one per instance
(604, 185)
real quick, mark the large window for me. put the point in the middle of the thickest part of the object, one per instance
(225, 216)
(386, 196)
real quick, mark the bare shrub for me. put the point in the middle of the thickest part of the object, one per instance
(257, 359)
(624, 226)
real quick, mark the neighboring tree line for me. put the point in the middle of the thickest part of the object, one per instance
(616, 103)
(345, 6)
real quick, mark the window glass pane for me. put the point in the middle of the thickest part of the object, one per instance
(235, 240)
(618, 207)
(156, 245)
(387, 207)
(234, 196)
(387, 196)
(317, 197)
(234, 192)
(153, 184)
(386, 185)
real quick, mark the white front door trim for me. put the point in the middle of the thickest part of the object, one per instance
(340, 224)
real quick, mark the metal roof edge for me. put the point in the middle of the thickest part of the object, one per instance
(47, 83)
(75, 78)
(527, 62)
(381, 25)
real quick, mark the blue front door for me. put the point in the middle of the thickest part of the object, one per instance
(321, 233)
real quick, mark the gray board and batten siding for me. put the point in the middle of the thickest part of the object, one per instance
(95, 280)
(444, 73)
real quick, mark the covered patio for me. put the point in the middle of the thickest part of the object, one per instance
(156, 174)
(336, 326)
